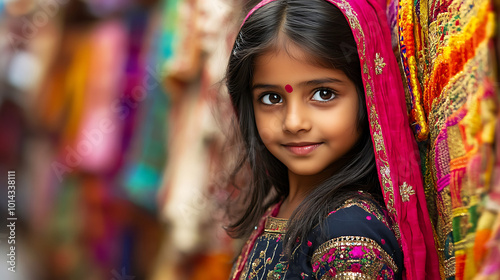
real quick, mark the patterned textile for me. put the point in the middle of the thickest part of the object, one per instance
(396, 152)
(355, 242)
(447, 60)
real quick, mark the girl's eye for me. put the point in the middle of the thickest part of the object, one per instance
(324, 95)
(271, 99)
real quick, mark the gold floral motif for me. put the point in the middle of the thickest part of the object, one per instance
(379, 141)
(379, 64)
(369, 91)
(406, 190)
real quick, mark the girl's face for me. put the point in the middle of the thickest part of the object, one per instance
(306, 115)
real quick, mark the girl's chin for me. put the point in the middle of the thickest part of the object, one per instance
(311, 171)
(306, 172)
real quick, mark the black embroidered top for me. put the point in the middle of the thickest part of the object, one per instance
(355, 242)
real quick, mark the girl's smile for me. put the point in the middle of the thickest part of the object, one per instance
(310, 128)
(302, 148)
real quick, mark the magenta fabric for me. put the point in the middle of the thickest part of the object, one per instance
(262, 3)
(396, 151)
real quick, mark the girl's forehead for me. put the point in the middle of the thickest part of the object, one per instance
(283, 45)
(281, 69)
(281, 57)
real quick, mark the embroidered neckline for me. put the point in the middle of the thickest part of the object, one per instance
(276, 225)
(279, 225)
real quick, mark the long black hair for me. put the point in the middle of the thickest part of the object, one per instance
(322, 31)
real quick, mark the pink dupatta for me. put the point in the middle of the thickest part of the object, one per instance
(396, 150)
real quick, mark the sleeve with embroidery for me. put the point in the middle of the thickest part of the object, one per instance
(349, 257)
(356, 243)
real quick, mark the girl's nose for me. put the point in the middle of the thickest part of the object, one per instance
(296, 119)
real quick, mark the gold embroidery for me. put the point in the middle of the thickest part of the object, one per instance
(349, 260)
(247, 251)
(451, 249)
(449, 267)
(368, 207)
(275, 225)
(256, 267)
(365, 68)
(379, 141)
(348, 276)
(406, 190)
(455, 144)
(369, 91)
(379, 64)
(345, 241)
(354, 23)
(259, 265)
(277, 273)
(385, 171)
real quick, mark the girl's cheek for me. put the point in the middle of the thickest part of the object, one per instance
(265, 134)
(268, 125)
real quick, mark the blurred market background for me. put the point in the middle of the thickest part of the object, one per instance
(92, 93)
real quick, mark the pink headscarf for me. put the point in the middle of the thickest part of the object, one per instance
(396, 151)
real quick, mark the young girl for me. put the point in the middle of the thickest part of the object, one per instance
(336, 189)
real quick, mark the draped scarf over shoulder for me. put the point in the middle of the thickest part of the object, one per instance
(396, 151)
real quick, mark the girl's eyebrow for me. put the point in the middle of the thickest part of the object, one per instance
(305, 83)
(321, 81)
(265, 86)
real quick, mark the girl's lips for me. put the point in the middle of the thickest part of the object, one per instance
(302, 149)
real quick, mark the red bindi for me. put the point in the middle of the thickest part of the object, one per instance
(288, 88)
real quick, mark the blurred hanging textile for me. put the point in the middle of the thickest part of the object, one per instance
(198, 42)
(449, 64)
(142, 175)
(85, 118)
